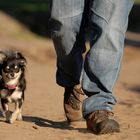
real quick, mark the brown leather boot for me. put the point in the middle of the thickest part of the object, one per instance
(101, 122)
(73, 98)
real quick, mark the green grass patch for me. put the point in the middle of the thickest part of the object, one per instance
(42, 7)
(137, 1)
(27, 5)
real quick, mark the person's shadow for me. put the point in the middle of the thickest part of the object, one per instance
(43, 122)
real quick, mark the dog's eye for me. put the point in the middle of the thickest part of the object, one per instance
(16, 68)
(7, 68)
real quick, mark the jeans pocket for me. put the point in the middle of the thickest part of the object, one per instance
(101, 9)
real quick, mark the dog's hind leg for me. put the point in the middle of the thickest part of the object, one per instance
(16, 115)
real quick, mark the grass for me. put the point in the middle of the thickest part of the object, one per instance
(137, 1)
(27, 5)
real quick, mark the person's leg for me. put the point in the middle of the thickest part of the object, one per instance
(109, 19)
(68, 37)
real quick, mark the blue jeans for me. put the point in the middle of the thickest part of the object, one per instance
(105, 21)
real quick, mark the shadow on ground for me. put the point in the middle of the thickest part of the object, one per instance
(132, 42)
(41, 122)
(133, 88)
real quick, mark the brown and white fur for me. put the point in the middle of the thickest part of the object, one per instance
(12, 83)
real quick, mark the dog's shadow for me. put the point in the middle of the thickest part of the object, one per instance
(41, 122)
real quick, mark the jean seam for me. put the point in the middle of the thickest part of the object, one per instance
(99, 14)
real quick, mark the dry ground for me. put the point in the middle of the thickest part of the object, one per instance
(43, 108)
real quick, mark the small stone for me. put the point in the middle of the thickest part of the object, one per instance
(35, 127)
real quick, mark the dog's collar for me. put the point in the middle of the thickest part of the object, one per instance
(10, 86)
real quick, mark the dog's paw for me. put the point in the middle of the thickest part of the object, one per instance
(8, 115)
(9, 121)
(19, 117)
(11, 118)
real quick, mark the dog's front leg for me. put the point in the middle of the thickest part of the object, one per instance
(6, 112)
(16, 115)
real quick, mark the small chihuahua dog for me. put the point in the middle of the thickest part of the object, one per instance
(12, 83)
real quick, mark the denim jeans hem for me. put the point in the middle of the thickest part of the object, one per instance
(85, 113)
(67, 84)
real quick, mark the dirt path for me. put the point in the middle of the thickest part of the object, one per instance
(43, 109)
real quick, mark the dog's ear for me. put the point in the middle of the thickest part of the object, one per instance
(21, 59)
(2, 57)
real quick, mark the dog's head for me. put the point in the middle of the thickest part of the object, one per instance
(12, 65)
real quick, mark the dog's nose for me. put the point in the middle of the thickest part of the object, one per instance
(12, 74)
